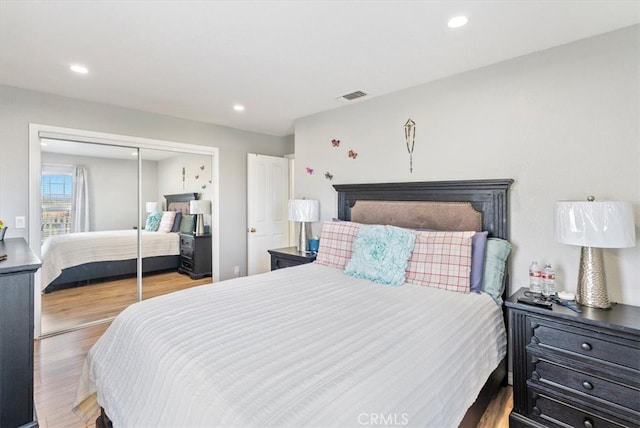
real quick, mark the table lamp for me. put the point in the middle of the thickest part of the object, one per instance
(199, 208)
(151, 207)
(303, 211)
(594, 225)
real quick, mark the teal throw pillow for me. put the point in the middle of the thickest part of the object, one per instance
(153, 221)
(381, 254)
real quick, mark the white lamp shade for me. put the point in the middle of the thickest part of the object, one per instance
(600, 224)
(304, 210)
(151, 207)
(200, 207)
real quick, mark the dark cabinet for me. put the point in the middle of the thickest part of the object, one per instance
(16, 334)
(195, 255)
(575, 369)
(290, 256)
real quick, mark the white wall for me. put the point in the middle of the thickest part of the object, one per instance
(19, 107)
(564, 123)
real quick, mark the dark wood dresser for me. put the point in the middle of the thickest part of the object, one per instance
(290, 256)
(16, 334)
(574, 369)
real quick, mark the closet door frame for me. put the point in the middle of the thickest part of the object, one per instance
(36, 131)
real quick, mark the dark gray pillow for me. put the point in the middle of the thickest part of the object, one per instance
(176, 222)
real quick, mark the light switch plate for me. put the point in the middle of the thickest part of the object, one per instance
(20, 223)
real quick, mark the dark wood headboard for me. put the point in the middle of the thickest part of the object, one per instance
(488, 197)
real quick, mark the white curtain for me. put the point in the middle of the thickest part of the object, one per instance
(80, 200)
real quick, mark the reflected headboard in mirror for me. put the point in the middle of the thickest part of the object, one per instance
(180, 201)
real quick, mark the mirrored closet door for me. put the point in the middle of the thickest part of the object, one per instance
(89, 214)
(177, 194)
(117, 223)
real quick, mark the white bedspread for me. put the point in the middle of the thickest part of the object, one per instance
(302, 346)
(73, 249)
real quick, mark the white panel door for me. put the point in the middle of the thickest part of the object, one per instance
(267, 198)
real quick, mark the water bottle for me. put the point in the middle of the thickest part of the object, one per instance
(548, 281)
(535, 278)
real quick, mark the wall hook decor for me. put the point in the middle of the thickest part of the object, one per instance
(410, 137)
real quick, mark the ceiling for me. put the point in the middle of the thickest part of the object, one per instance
(282, 60)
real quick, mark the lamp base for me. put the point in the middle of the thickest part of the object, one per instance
(592, 282)
(199, 224)
(302, 238)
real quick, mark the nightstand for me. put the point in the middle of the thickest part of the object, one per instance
(574, 369)
(290, 256)
(195, 255)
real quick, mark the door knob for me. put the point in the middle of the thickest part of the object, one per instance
(252, 230)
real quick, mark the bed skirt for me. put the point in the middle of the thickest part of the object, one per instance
(95, 272)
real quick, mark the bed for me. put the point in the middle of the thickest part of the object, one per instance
(78, 259)
(310, 345)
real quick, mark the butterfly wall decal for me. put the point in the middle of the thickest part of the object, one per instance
(309, 170)
(328, 175)
(353, 154)
(202, 168)
(197, 176)
(335, 143)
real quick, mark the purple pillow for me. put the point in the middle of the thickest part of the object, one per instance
(178, 220)
(478, 247)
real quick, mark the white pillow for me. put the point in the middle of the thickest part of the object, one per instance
(166, 224)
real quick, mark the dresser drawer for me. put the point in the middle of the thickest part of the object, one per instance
(585, 383)
(279, 263)
(554, 412)
(588, 343)
(186, 242)
(186, 264)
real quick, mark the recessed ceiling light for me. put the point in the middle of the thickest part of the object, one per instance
(458, 21)
(134, 154)
(77, 68)
(238, 107)
(42, 143)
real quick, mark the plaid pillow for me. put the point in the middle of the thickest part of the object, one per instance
(441, 260)
(336, 243)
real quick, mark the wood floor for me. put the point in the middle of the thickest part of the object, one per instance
(64, 309)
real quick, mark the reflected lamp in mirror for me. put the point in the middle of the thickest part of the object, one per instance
(151, 207)
(199, 208)
(594, 225)
(303, 211)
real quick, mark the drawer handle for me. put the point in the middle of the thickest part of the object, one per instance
(588, 423)
(586, 346)
(587, 385)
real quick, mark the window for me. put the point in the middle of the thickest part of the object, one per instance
(56, 204)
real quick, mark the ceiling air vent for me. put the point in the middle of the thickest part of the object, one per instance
(354, 95)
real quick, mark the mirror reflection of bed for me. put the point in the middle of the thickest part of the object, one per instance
(89, 250)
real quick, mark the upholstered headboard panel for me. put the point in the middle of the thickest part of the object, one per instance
(419, 214)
